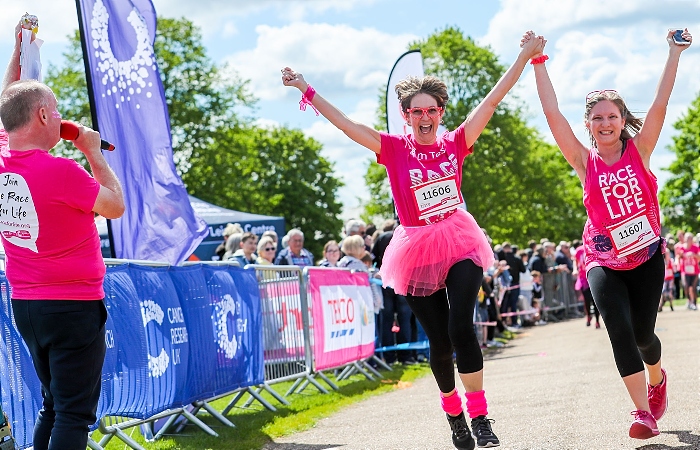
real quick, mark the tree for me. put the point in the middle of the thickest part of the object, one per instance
(680, 197)
(200, 94)
(222, 157)
(516, 185)
(276, 171)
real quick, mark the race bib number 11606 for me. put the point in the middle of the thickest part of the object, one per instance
(436, 196)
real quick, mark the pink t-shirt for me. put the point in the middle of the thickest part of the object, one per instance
(48, 227)
(581, 281)
(623, 227)
(687, 259)
(425, 180)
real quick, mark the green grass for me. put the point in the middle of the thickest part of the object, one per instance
(256, 426)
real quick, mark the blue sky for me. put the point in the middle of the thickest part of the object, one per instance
(346, 48)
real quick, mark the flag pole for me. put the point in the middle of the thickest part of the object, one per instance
(386, 113)
(93, 106)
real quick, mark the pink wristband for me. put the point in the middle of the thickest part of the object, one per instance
(306, 99)
(539, 59)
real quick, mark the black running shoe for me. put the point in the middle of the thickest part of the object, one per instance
(461, 436)
(481, 428)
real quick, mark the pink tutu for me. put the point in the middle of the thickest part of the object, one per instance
(417, 259)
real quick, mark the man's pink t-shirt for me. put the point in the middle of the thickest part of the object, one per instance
(48, 227)
(410, 164)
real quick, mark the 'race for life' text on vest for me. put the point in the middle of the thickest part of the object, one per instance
(621, 192)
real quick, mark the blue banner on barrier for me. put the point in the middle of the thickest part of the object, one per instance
(236, 316)
(246, 283)
(194, 298)
(173, 335)
(167, 337)
(124, 391)
(21, 390)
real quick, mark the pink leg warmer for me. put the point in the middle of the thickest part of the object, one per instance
(476, 404)
(452, 404)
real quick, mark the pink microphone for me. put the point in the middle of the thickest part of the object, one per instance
(70, 132)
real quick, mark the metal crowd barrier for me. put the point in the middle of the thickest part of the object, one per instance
(343, 371)
(113, 426)
(286, 333)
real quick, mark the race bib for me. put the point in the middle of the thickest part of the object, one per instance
(633, 234)
(436, 196)
(689, 269)
(668, 274)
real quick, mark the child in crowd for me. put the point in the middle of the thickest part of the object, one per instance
(367, 259)
(537, 296)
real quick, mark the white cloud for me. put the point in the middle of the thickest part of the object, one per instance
(334, 57)
(227, 12)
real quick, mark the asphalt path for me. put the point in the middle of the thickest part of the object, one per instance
(554, 387)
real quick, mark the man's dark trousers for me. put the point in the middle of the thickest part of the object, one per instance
(66, 339)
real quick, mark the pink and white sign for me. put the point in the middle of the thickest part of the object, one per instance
(282, 322)
(343, 317)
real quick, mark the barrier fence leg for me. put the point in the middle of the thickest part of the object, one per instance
(94, 445)
(233, 401)
(328, 381)
(302, 386)
(275, 394)
(203, 426)
(125, 438)
(252, 396)
(259, 398)
(311, 380)
(381, 362)
(344, 373)
(372, 369)
(166, 426)
(362, 371)
(294, 386)
(214, 413)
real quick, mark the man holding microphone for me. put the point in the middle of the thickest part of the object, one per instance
(54, 264)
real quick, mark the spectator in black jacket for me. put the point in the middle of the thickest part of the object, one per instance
(516, 267)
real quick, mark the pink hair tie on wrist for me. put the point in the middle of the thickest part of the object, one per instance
(539, 59)
(306, 98)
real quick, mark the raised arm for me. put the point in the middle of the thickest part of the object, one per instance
(12, 72)
(480, 116)
(572, 149)
(110, 199)
(362, 134)
(647, 137)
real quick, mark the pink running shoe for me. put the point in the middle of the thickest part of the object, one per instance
(658, 400)
(644, 425)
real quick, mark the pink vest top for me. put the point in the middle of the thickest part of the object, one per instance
(623, 226)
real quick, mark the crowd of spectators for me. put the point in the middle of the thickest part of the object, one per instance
(525, 287)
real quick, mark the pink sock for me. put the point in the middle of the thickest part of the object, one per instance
(452, 404)
(476, 404)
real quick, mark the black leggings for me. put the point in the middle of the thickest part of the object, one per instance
(588, 302)
(447, 318)
(628, 300)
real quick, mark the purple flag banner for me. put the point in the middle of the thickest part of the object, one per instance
(159, 223)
